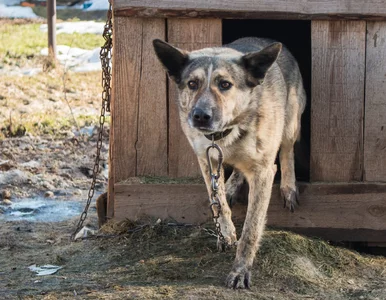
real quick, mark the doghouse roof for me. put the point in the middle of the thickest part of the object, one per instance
(249, 9)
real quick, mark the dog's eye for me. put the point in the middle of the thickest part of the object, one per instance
(193, 85)
(225, 85)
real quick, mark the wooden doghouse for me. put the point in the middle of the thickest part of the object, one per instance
(341, 49)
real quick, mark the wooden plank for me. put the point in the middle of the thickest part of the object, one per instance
(247, 9)
(184, 203)
(338, 62)
(343, 235)
(152, 141)
(371, 244)
(375, 103)
(126, 87)
(355, 209)
(189, 35)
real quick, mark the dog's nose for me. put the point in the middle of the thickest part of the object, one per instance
(201, 116)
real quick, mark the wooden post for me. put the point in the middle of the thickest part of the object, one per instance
(51, 21)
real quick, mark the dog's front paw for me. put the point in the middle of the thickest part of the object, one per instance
(290, 197)
(228, 236)
(227, 242)
(239, 279)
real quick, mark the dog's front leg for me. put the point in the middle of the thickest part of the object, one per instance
(228, 229)
(260, 188)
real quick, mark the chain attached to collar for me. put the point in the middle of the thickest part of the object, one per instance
(215, 205)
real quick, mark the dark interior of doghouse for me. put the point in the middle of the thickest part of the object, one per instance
(296, 36)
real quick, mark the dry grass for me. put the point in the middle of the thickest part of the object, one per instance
(25, 40)
(38, 103)
(300, 264)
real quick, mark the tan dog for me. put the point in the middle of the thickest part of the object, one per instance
(249, 95)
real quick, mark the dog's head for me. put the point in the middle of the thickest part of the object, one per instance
(215, 84)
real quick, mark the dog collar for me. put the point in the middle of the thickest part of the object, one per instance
(218, 135)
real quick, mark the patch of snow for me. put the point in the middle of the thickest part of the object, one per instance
(10, 2)
(87, 130)
(30, 164)
(31, 72)
(15, 177)
(20, 71)
(16, 12)
(40, 210)
(76, 59)
(79, 27)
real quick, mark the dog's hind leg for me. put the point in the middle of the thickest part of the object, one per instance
(228, 229)
(295, 107)
(232, 186)
(288, 186)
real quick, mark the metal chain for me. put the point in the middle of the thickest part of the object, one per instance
(215, 205)
(105, 57)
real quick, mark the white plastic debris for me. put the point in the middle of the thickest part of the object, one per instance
(96, 5)
(84, 232)
(44, 270)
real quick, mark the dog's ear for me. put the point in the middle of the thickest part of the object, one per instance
(171, 57)
(258, 63)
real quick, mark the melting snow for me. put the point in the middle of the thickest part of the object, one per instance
(16, 12)
(40, 210)
(79, 27)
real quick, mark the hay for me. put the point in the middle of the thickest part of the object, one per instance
(171, 253)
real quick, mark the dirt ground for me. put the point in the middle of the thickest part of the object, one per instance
(44, 150)
(168, 262)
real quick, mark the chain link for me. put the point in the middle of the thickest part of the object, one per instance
(215, 205)
(105, 57)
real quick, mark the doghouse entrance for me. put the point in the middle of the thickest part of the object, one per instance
(296, 36)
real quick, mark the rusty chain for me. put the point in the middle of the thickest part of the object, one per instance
(215, 205)
(105, 57)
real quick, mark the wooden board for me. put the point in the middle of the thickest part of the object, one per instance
(338, 70)
(184, 203)
(139, 101)
(126, 89)
(247, 9)
(375, 103)
(189, 35)
(152, 140)
(356, 209)
(138, 138)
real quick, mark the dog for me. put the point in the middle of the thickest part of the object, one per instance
(249, 96)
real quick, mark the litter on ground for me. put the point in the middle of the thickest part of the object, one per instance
(44, 270)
